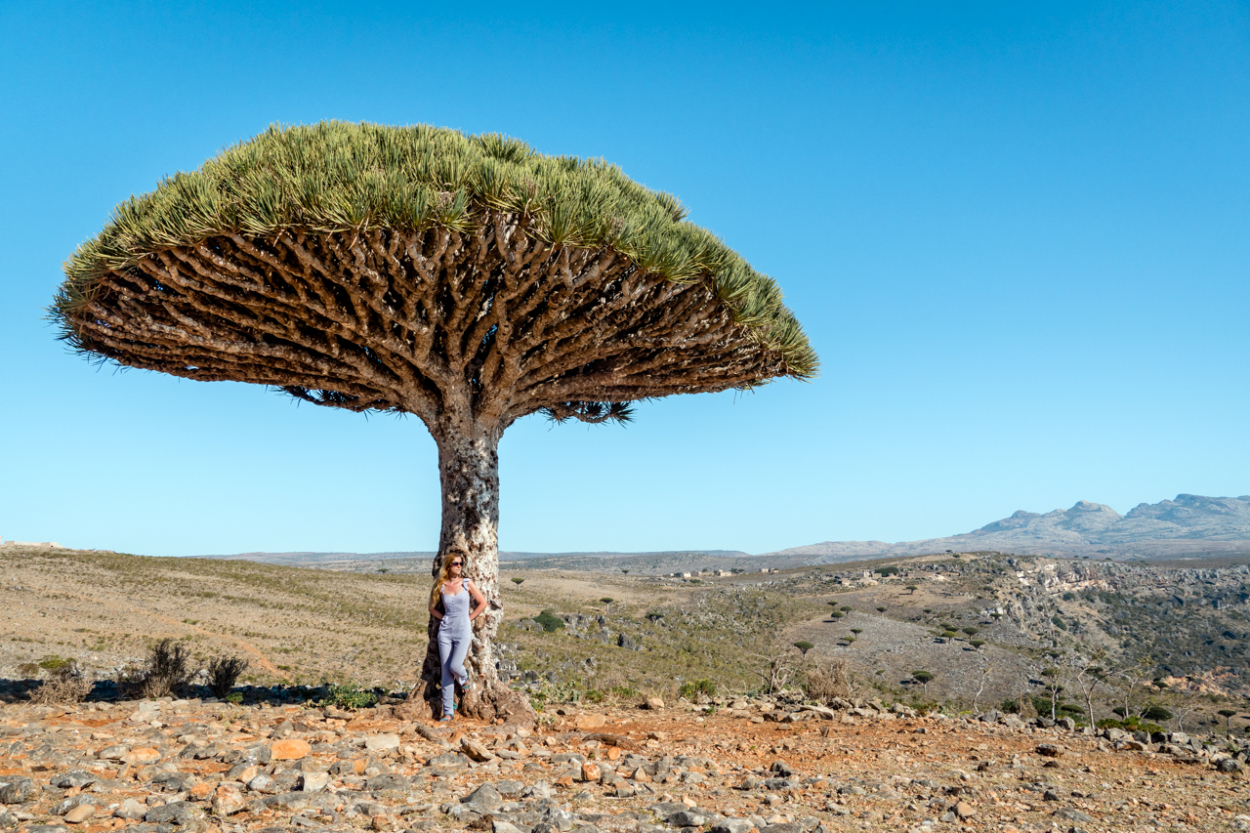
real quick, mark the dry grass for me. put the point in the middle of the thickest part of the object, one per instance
(829, 680)
(64, 686)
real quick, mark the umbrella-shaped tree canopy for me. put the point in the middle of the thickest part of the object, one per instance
(465, 279)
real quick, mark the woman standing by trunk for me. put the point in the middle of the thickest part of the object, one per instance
(461, 603)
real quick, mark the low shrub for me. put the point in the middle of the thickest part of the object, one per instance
(65, 686)
(549, 621)
(223, 673)
(167, 671)
(350, 696)
(827, 681)
(693, 688)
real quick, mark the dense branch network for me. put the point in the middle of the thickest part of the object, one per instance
(425, 322)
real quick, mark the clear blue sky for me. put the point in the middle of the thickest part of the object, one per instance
(1017, 234)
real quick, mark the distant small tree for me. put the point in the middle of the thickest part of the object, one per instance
(846, 608)
(970, 631)
(804, 646)
(912, 589)
(977, 643)
(1228, 715)
(924, 678)
(857, 631)
(1087, 679)
(518, 581)
(625, 571)
(1053, 676)
(607, 604)
(928, 610)
(881, 610)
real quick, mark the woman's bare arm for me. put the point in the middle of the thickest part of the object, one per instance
(479, 601)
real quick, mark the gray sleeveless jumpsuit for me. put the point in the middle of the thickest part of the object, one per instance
(455, 632)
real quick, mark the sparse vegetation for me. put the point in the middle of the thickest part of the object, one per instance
(223, 673)
(64, 685)
(167, 671)
(350, 696)
(693, 689)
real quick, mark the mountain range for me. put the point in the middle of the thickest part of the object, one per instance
(1191, 526)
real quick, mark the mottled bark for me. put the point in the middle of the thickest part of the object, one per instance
(468, 467)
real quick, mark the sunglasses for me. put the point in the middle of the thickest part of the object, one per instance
(457, 563)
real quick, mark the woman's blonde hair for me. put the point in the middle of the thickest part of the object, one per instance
(444, 572)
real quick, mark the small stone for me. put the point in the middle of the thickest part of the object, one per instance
(501, 826)
(589, 722)
(590, 771)
(242, 773)
(485, 799)
(732, 826)
(201, 791)
(178, 812)
(77, 778)
(260, 783)
(143, 755)
(653, 703)
(1048, 750)
(80, 813)
(781, 769)
(314, 782)
(476, 751)
(131, 810)
(387, 781)
(964, 810)
(687, 818)
(379, 743)
(227, 801)
(290, 749)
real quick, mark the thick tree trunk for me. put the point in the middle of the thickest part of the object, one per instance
(468, 466)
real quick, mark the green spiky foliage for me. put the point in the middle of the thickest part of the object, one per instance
(353, 178)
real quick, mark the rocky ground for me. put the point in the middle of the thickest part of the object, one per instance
(764, 763)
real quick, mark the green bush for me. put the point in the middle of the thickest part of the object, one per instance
(54, 663)
(693, 688)
(887, 571)
(1131, 724)
(550, 622)
(350, 696)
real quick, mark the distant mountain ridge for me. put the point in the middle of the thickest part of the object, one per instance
(1188, 525)
(1191, 526)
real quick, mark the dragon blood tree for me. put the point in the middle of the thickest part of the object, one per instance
(465, 279)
